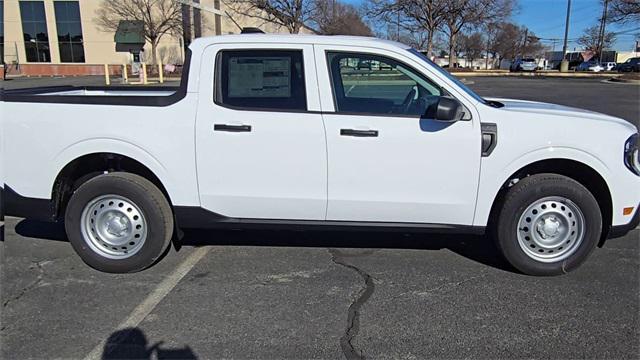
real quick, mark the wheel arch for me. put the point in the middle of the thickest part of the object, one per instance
(583, 173)
(80, 169)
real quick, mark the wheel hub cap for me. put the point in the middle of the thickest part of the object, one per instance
(548, 227)
(551, 229)
(117, 225)
(113, 226)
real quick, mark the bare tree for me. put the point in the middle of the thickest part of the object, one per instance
(506, 42)
(460, 14)
(509, 42)
(335, 18)
(624, 11)
(590, 39)
(415, 16)
(472, 46)
(160, 17)
(290, 14)
(491, 31)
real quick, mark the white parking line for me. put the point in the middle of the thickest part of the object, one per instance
(163, 289)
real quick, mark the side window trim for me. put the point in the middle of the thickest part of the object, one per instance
(218, 98)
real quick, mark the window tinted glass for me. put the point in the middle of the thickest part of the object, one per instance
(69, 31)
(261, 79)
(34, 29)
(366, 83)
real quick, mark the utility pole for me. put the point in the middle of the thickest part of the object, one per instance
(398, 23)
(197, 21)
(486, 60)
(524, 44)
(333, 10)
(603, 25)
(186, 26)
(564, 65)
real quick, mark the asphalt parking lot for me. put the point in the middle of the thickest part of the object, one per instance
(285, 294)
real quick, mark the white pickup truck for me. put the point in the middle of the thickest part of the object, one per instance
(316, 132)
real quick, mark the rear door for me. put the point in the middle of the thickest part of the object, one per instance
(260, 140)
(387, 163)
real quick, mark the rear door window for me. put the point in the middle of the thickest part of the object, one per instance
(261, 80)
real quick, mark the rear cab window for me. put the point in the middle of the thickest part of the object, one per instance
(260, 80)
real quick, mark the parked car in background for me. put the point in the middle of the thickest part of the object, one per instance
(526, 64)
(596, 67)
(630, 65)
(609, 66)
(585, 65)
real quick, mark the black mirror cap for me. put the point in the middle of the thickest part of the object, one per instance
(447, 109)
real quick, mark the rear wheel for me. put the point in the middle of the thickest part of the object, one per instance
(119, 222)
(548, 225)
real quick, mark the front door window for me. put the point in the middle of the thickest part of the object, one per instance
(377, 85)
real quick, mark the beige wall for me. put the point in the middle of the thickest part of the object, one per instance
(99, 47)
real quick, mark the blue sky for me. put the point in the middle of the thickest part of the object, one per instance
(546, 18)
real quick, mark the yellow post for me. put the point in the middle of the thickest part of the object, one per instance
(125, 75)
(106, 74)
(160, 72)
(144, 73)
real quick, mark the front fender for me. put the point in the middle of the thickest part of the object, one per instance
(494, 174)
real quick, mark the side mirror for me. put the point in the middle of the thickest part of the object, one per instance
(447, 109)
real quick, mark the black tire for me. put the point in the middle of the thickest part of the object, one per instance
(151, 201)
(526, 192)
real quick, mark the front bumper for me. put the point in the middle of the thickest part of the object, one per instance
(622, 230)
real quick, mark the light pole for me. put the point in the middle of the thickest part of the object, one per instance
(564, 65)
(603, 26)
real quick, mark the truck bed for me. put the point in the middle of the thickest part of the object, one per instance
(158, 96)
(97, 95)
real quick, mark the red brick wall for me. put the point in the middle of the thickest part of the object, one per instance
(64, 70)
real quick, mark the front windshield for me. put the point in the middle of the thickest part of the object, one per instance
(448, 75)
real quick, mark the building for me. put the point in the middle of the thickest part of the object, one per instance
(62, 37)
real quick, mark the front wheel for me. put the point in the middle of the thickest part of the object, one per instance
(119, 222)
(548, 224)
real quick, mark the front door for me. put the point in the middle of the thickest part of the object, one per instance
(260, 141)
(387, 163)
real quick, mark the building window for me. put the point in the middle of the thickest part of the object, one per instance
(69, 29)
(34, 28)
(2, 32)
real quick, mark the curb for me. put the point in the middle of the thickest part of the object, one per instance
(537, 75)
(623, 81)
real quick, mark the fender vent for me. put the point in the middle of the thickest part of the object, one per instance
(489, 138)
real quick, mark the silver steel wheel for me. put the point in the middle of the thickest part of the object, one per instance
(551, 229)
(113, 226)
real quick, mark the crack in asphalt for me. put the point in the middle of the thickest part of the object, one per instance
(453, 284)
(437, 289)
(353, 318)
(32, 285)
